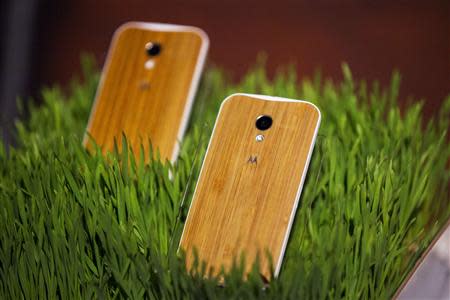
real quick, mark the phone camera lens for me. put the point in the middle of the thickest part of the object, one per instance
(153, 49)
(263, 122)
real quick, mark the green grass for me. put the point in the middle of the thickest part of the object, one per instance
(75, 225)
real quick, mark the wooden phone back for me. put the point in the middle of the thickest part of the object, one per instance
(247, 193)
(147, 98)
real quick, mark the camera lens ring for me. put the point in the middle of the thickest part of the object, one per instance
(153, 48)
(263, 122)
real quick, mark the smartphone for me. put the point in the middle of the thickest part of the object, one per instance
(147, 88)
(250, 183)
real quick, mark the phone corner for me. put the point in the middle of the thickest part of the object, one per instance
(124, 27)
(202, 34)
(229, 98)
(316, 109)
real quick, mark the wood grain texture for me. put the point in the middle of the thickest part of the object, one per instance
(246, 208)
(146, 104)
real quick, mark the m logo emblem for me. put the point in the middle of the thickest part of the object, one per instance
(252, 160)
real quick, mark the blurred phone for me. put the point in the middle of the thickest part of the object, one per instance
(147, 88)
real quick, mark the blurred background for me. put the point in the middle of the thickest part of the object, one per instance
(42, 41)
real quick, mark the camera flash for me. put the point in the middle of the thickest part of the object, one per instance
(259, 138)
(149, 64)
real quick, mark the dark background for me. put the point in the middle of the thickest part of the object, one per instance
(42, 39)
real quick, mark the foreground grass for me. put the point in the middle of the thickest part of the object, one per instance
(75, 225)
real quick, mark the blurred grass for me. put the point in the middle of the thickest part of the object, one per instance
(82, 226)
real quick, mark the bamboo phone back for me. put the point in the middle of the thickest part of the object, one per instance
(250, 182)
(147, 87)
